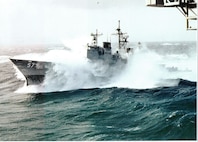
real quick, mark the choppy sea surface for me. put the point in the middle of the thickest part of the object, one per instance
(152, 98)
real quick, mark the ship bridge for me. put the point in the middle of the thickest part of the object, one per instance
(186, 7)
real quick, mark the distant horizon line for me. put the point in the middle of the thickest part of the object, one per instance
(62, 44)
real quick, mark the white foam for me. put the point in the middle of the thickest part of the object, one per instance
(4, 59)
(72, 70)
(143, 71)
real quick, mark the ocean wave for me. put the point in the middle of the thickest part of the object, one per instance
(169, 113)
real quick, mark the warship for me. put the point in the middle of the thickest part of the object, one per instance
(35, 71)
(105, 53)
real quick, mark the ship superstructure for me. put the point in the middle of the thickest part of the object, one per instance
(105, 53)
(35, 71)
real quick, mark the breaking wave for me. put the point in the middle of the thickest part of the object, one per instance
(145, 69)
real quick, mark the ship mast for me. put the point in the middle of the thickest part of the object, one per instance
(95, 38)
(119, 34)
(122, 37)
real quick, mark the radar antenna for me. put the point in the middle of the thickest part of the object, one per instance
(122, 37)
(95, 38)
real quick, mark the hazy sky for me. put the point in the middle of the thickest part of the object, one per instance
(52, 21)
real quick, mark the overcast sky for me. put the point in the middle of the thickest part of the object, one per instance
(52, 21)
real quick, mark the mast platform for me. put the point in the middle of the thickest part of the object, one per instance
(186, 7)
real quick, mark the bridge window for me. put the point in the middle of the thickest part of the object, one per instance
(171, 2)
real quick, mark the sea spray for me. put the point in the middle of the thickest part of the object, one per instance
(70, 70)
(72, 74)
(4, 59)
(181, 66)
(144, 69)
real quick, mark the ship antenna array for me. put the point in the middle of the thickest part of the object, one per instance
(122, 37)
(95, 37)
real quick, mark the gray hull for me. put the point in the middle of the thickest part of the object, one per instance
(33, 71)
